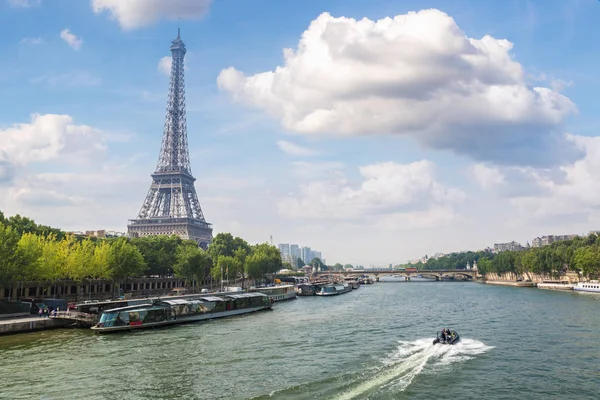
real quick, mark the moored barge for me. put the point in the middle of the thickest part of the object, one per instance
(161, 312)
(276, 293)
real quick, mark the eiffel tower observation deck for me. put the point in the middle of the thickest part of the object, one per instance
(171, 206)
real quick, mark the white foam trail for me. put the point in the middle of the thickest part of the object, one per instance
(410, 359)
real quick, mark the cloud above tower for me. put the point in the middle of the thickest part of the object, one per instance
(132, 14)
(416, 74)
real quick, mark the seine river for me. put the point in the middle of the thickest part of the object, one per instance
(372, 343)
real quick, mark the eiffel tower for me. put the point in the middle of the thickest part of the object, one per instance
(171, 206)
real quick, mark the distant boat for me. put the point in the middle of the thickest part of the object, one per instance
(451, 338)
(276, 293)
(334, 289)
(353, 282)
(591, 286)
(421, 278)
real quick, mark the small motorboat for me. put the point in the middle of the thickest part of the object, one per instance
(446, 337)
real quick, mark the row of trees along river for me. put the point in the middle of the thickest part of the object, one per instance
(579, 254)
(32, 252)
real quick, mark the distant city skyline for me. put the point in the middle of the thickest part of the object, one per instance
(293, 251)
(375, 131)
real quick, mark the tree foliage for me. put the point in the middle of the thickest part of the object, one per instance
(264, 259)
(580, 254)
(31, 252)
(191, 262)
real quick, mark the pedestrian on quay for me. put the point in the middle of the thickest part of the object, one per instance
(40, 311)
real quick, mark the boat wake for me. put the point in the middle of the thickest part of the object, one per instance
(392, 374)
(409, 360)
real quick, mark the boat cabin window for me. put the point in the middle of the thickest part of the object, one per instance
(108, 319)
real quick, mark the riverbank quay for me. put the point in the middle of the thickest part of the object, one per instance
(555, 286)
(511, 283)
(30, 324)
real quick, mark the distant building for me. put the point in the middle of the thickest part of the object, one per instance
(284, 248)
(100, 233)
(295, 250)
(510, 246)
(289, 258)
(306, 253)
(549, 239)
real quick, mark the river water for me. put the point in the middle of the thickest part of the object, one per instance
(372, 343)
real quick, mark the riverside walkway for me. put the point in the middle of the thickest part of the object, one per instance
(29, 324)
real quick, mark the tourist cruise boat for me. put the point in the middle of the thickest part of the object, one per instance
(160, 312)
(276, 293)
(591, 286)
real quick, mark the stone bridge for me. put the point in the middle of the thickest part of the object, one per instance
(469, 274)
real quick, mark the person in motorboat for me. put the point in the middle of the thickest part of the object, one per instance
(446, 336)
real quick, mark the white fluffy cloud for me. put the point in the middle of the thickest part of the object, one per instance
(79, 184)
(389, 192)
(71, 39)
(571, 189)
(416, 74)
(49, 137)
(164, 65)
(293, 149)
(487, 177)
(133, 14)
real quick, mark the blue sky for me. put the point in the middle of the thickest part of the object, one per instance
(458, 150)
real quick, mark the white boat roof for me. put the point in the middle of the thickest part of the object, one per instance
(212, 298)
(272, 287)
(245, 295)
(176, 302)
(130, 308)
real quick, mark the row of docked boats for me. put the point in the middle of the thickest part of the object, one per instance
(177, 308)
(160, 312)
(329, 288)
(180, 308)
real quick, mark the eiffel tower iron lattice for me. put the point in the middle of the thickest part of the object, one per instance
(171, 205)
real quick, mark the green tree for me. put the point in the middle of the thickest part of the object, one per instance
(223, 244)
(125, 261)
(81, 261)
(587, 259)
(337, 267)
(226, 267)
(159, 252)
(27, 258)
(22, 224)
(191, 263)
(102, 259)
(8, 247)
(265, 259)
